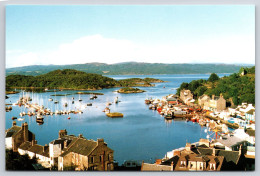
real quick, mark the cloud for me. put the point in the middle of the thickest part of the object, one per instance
(96, 48)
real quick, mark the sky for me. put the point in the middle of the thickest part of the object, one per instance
(60, 35)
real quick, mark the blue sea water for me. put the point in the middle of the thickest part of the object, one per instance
(142, 134)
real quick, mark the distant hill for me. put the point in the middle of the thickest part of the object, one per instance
(128, 68)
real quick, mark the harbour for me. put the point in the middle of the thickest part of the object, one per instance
(141, 134)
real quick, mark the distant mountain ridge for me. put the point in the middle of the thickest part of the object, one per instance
(129, 68)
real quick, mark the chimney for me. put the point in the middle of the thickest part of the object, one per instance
(172, 166)
(158, 161)
(34, 142)
(188, 147)
(25, 131)
(100, 141)
(14, 123)
(221, 95)
(80, 136)
(62, 133)
(214, 152)
(240, 149)
(45, 147)
(213, 97)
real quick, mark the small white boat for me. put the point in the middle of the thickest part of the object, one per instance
(56, 102)
(116, 100)
(50, 99)
(20, 119)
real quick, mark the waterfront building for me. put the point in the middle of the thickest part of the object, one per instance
(216, 103)
(231, 143)
(80, 153)
(186, 95)
(17, 135)
(203, 99)
(250, 115)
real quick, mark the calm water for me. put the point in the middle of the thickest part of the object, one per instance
(141, 135)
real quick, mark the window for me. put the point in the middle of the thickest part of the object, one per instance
(100, 158)
(91, 159)
(212, 166)
(201, 166)
(183, 163)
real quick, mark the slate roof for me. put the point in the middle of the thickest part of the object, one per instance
(155, 167)
(39, 149)
(229, 141)
(15, 129)
(168, 162)
(81, 146)
(36, 149)
(251, 112)
(25, 146)
(232, 156)
(12, 131)
(250, 132)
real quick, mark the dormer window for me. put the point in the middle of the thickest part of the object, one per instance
(201, 166)
(212, 166)
(183, 163)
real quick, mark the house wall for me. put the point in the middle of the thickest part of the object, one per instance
(65, 161)
(8, 143)
(221, 104)
(195, 165)
(22, 152)
(55, 151)
(103, 158)
(17, 140)
(31, 154)
(185, 94)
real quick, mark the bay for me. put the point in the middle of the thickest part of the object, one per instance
(142, 134)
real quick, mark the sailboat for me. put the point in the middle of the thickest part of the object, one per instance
(56, 101)
(116, 100)
(80, 98)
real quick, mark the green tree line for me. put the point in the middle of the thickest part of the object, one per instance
(73, 79)
(236, 87)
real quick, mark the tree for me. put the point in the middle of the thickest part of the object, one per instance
(213, 77)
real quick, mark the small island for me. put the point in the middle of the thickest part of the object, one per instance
(127, 90)
(69, 79)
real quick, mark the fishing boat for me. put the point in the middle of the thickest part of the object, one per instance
(50, 99)
(168, 117)
(194, 119)
(116, 100)
(106, 110)
(56, 102)
(69, 118)
(114, 114)
(89, 104)
(13, 118)
(108, 104)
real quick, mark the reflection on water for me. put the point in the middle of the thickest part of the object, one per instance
(142, 134)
